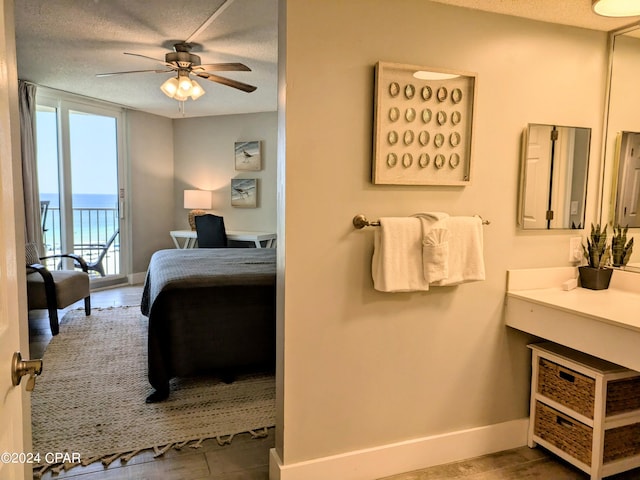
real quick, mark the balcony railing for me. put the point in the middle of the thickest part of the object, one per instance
(91, 227)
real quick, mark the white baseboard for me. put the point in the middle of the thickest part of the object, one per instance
(135, 278)
(395, 458)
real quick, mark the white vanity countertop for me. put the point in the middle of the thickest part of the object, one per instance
(603, 323)
(614, 306)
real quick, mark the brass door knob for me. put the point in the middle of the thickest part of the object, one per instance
(20, 368)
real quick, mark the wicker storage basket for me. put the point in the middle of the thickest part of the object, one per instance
(577, 391)
(623, 395)
(576, 439)
(567, 387)
(564, 432)
(621, 442)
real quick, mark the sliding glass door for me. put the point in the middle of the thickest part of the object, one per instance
(80, 181)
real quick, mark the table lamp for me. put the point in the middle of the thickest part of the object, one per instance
(196, 200)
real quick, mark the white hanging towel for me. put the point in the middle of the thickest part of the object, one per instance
(397, 256)
(435, 254)
(465, 250)
(435, 246)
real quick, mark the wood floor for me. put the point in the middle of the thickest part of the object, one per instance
(247, 458)
(244, 459)
(522, 463)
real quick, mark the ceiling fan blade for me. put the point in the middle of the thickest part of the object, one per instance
(149, 58)
(226, 81)
(222, 67)
(131, 71)
(209, 20)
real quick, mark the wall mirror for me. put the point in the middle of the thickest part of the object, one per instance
(621, 173)
(553, 177)
(625, 190)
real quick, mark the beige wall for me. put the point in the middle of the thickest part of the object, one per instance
(364, 368)
(204, 159)
(151, 203)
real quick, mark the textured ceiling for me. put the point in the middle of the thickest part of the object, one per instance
(63, 44)
(577, 13)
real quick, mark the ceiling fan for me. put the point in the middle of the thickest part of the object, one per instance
(185, 64)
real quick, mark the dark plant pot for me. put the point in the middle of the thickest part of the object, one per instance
(595, 278)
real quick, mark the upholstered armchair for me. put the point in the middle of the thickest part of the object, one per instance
(55, 289)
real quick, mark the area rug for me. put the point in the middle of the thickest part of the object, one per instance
(90, 398)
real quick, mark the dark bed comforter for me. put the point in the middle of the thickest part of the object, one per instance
(209, 310)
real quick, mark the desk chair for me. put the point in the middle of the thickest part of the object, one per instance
(210, 231)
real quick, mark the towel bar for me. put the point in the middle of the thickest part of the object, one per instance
(360, 221)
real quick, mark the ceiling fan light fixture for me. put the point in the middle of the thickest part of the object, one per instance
(175, 88)
(184, 82)
(425, 75)
(170, 87)
(181, 95)
(616, 8)
(196, 90)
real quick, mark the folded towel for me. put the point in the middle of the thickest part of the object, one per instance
(465, 244)
(429, 218)
(434, 246)
(397, 256)
(435, 255)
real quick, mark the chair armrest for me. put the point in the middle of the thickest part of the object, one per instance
(36, 266)
(49, 284)
(77, 258)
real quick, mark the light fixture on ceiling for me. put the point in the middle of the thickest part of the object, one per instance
(425, 75)
(616, 8)
(182, 88)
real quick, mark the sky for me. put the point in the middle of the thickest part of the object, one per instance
(93, 146)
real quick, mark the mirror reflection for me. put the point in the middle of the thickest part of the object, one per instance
(553, 177)
(621, 181)
(627, 178)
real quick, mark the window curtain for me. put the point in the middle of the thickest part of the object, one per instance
(33, 226)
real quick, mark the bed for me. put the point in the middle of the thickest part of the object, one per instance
(210, 310)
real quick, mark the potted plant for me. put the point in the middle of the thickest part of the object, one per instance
(620, 248)
(595, 275)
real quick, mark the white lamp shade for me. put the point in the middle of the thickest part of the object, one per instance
(170, 87)
(616, 8)
(184, 83)
(197, 199)
(181, 95)
(196, 90)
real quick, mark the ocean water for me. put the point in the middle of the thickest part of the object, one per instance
(94, 224)
(84, 200)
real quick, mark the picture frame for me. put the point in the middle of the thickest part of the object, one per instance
(248, 156)
(244, 192)
(423, 121)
